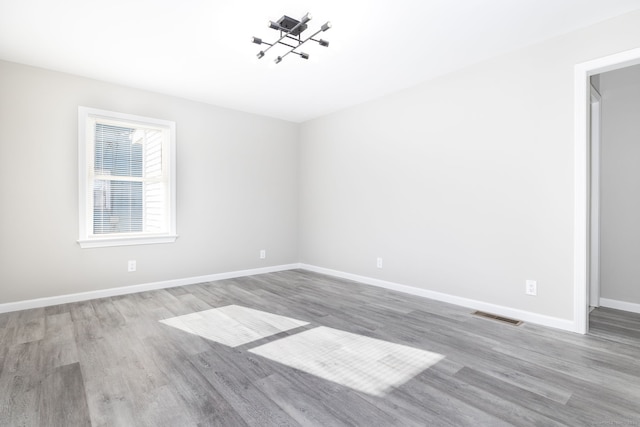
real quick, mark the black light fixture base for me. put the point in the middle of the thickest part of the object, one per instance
(291, 30)
(291, 26)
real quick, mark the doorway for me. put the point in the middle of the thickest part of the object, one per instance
(585, 248)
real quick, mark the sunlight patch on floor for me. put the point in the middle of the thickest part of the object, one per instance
(365, 364)
(362, 363)
(233, 325)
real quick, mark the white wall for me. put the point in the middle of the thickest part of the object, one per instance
(620, 185)
(236, 178)
(464, 184)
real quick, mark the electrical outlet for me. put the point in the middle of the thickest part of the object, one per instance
(131, 266)
(531, 287)
(263, 254)
(379, 262)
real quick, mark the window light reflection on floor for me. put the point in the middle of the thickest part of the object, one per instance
(233, 325)
(362, 363)
(365, 364)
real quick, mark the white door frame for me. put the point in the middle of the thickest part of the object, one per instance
(581, 233)
(594, 248)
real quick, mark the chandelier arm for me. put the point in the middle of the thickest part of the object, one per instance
(288, 45)
(301, 43)
(294, 38)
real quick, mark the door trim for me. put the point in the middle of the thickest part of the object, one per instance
(582, 104)
(594, 248)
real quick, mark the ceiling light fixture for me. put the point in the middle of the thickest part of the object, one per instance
(291, 29)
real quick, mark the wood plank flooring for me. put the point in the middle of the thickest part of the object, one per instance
(111, 362)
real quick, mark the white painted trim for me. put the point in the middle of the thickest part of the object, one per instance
(580, 197)
(594, 223)
(525, 316)
(125, 290)
(582, 89)
(620, 305)
(126, 241)
(104, 293)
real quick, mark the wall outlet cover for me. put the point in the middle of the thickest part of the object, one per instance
(531, 287)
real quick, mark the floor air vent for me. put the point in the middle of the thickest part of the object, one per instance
(513, 322)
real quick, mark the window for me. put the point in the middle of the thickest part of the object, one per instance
(126, 180)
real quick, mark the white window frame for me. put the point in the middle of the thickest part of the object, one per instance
(86, 154)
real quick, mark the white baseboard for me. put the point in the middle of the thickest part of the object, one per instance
(620, 305)
(103, 293)
(526, 316)
(464, 302)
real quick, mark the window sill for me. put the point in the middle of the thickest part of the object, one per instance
(102, 242)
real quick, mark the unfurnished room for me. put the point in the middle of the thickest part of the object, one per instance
(319, 213)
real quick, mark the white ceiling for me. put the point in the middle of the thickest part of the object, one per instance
(202, 50)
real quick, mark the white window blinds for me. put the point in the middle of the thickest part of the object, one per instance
(129, 190)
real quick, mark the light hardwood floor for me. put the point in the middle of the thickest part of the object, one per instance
(112, 362)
